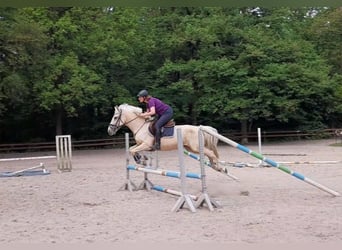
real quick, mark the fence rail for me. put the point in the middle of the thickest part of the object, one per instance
(119, 141)
(296, 134)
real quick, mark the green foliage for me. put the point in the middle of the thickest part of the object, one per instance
(326, 34)
(67, 67)
(20, 52)
(68, 84)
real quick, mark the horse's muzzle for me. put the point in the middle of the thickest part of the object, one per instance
(112, 129)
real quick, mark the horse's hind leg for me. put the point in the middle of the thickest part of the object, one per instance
(208, 153)
(213, 159)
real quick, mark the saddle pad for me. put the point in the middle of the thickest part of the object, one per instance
(167, 131)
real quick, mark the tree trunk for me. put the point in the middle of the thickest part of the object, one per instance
(244, 137)
(59, 116)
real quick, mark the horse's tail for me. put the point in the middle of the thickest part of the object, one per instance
(211, 141)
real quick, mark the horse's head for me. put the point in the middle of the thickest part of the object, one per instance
(123, 115)
(116, 122)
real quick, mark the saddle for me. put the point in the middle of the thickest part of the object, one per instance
(166, 130)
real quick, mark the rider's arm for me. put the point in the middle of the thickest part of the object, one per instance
(150, 112)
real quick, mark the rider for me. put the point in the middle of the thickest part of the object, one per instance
(156, 107)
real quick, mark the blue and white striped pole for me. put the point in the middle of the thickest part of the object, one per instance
(270, 162)
(171, 191)
(168, 173)
(196, 157)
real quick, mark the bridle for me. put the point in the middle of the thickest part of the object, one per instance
(119, 120)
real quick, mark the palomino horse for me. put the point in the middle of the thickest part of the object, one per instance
(128, 115)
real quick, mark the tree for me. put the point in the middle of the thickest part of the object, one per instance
(326, 34)
(278, 76)
(246, 67)
(21, 51)
(63, 69)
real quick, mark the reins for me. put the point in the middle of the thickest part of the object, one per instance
(125, 123)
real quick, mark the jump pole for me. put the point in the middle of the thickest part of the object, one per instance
(196, 157)
(308, 162)
(171, 191)
(28, 158)
(147, 184)
(27, 171)
(270, 162)
(168, 173)
(234, 164)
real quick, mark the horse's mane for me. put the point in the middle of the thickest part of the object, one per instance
(131, 108)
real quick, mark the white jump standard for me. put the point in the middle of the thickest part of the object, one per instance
(184, 198)
(63, 152)
(204, 197)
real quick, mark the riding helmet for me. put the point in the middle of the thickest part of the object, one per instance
(142, 93)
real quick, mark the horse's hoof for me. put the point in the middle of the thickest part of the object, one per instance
(137, 158)
(221, 170)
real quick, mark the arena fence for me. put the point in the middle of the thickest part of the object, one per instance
(119, 141)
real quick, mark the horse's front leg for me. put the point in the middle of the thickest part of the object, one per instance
(138, 158)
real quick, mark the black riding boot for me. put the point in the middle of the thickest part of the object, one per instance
(157, 141)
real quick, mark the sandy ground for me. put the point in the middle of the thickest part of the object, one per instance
(85, 205)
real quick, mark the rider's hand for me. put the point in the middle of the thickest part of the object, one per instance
(144, 115)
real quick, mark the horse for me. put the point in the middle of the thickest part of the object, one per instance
(128, 115)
